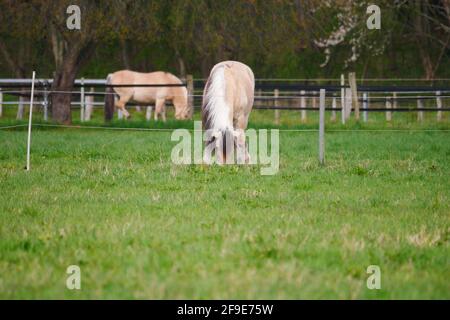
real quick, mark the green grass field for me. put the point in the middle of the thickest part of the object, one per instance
(138, 226)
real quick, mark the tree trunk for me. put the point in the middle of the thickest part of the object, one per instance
(63, 82)
(64, 78)
(182, 68)
(125, 54)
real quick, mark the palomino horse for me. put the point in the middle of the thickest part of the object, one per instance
(227, 103)
(148, 95)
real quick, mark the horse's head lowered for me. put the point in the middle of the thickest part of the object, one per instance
(183, 111)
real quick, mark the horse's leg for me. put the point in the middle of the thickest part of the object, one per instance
(160, 109)
(164, 114)
(243, 156)
(208, 153)
(120, 104)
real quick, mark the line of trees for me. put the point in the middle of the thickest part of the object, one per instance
(278, 38)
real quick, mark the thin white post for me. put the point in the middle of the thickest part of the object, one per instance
(29, 122)
(322, 127)
(82, 100)
(395, 104)
(119, 114)
(365, 106)
(1, 102)
(388, 107)
(148, 114)
(303, 106)
(420, 112)
(276, 93)
(343, 117)
(438, 106)
(334, 107)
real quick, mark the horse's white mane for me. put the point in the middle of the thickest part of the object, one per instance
(215, 107)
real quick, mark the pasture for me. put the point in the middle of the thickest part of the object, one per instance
(140, 227)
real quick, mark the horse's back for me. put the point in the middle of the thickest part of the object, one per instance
(146, 94)
(240, 84)
(133, 77)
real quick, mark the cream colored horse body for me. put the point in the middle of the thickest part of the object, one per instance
(227, 103)
(150, 95)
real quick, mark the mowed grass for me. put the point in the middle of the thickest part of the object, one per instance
(139, 226)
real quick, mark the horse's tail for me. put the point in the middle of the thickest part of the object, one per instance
(109, 99)
(214, 106)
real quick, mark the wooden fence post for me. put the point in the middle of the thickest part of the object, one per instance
(388, 113)
(89, 105)
(20, 107)
(276, 93)
(82, 100)
(322, 127)
(348, 102)
(343, 113)
(314, 100)
(365, 106)
(354, 89)
(395, 105)
(303, 106)
(190, 90)
(334, 107)
(438, 106)
(259, 98)
(148, 113)
(45, 103)
(419, 112)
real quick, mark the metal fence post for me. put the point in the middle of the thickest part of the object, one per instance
(343, 113)
(303, 106)
(420, 111)
(438, 106)
(388, 107)
(45, 103)
(365, 106)
(333, 107)
(191, 91)
(276, 93)
(322, 127)
(82, 100)
(1, 102)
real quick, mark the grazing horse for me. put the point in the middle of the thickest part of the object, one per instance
(227, 102)
(147, 95)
